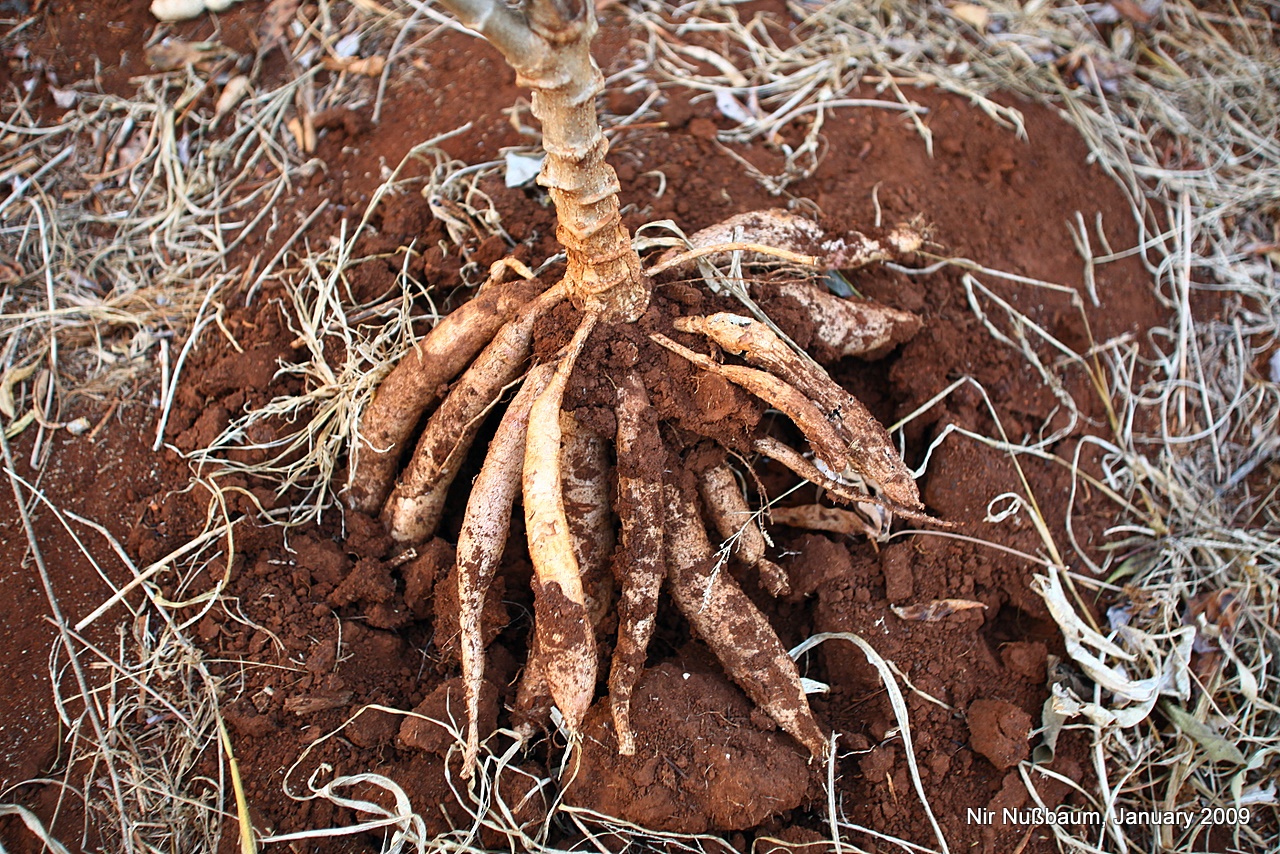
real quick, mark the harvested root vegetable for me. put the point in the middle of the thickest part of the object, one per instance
(413, 511)
(587, 501)
(808, 417)
(484, 535)
(850, 327)
(560, 610)
(639, 566)
(417, 382)
(560, 462)
(735, 522)
(734, 628)
(871, 453)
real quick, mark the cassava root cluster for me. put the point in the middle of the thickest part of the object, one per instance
(574, 481)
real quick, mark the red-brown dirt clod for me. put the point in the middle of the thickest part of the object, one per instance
(701, 762)
(999, 731)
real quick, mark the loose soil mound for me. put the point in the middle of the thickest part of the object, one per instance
(320, 623)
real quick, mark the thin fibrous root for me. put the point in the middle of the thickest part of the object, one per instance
(877, 511)
(485, 526)
(735, 520)
(416, 504)
(587, 503)
(820, 432)
(780, 229)
(562, 625)
(850, 327)
(732, 626)
(417, 382)
(639, 565)
(871, 452)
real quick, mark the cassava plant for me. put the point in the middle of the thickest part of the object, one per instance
(561, 467)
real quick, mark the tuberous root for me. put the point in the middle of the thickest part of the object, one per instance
(639, 565)
(732, 626)
(562, 623)
(735, 522)
(416, 383)
(416, 505)
(485, 526)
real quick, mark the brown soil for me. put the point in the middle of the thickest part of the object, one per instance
(340, 625)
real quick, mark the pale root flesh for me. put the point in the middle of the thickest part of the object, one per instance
(561, 620)
(485, 526)
(418, 381)
(416, 504)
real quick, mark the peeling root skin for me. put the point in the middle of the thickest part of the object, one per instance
(485, 526)
(781, 229)
(415, 384)
(851, 327)
(733, 627)
(734, 518)
(789, 457)
(639, 566)
(560, 614)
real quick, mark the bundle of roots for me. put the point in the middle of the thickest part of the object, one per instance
(563, 469)
(572, 487)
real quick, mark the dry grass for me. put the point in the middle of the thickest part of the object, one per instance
(1183, 112)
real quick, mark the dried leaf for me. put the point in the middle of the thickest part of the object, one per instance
(12, 377)
(313, 703)
(1215, 746)
(972, 14)
(931, 612)
(369, 66)
(347, 46)
(21, 424)
(232, 94)
(731, 108)
(522, 168)
(170, 54)
(64, 98)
